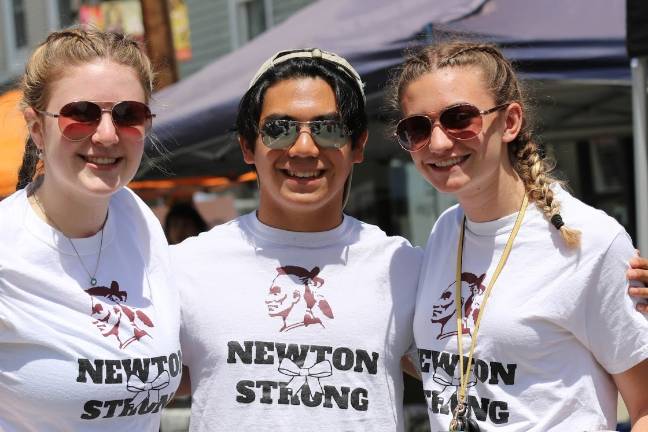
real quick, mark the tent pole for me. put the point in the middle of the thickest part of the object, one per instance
(639, 67)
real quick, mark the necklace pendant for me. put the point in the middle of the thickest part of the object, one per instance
(93, 281)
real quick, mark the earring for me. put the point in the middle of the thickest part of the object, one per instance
(39, 154)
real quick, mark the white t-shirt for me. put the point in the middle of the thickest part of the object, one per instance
(76, 357)
(287, 330)
(557, 324)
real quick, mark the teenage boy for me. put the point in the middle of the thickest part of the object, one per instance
(296, 316)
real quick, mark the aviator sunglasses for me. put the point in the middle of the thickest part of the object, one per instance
(79, 120)
(461, 122)
(282, 133)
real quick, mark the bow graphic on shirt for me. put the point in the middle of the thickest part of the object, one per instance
(148, 389)
(300, 376)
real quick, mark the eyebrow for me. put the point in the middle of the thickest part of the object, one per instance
(279, 116)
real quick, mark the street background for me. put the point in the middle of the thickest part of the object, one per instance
(573, 55)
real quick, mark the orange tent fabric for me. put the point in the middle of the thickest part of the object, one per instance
(13, 132)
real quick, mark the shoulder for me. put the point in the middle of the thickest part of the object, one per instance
(11, 204)
(12, 214)
(598, 229)
(220, 238)
(136, 223)
(128, 205)
(127, 201)
(447, 223)
(375, 239)
(368, 233)
(449, 218)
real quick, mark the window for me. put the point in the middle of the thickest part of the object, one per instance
(67, 12)
(248, 19)
(20, 25)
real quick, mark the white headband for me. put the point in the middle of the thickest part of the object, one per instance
(315, 53)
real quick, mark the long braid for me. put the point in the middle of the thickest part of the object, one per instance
(534, 170)
(501, 80)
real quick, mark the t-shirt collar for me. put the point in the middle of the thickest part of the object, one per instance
(282, 237)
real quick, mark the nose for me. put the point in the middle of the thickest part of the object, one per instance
(106, 132)
(440, 142)
(305, 145)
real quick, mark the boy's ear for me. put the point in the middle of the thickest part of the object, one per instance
(358, 150)
(248, 154)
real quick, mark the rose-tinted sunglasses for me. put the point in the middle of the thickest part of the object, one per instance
(461, 122)
(282, 133)
(79, 120)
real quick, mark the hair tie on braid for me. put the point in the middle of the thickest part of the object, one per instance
(556, 221)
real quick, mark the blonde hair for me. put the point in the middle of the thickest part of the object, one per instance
(73, 47)
(501, 80)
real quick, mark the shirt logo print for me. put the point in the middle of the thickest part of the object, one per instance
(444, 310)
(113, 318)
(295, 296)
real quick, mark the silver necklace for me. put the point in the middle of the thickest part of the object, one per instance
(93, 279)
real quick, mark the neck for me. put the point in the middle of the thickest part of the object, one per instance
(500, 198)
(73, 216)
(310, 220)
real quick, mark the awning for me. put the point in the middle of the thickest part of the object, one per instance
(578, 45)
(195, 115)
(13, 133)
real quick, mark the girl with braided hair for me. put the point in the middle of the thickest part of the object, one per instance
(556, 334)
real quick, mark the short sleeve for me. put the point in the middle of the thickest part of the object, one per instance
(180, 282)
(616, 332)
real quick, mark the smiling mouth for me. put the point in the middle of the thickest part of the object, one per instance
(448, 163)
(103, 161)
(303, 175)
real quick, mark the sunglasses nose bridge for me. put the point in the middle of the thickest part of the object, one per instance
(439, 139)
(305, 143)
(106, 131)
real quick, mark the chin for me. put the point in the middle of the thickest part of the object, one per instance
(449, 185)
(102, 190)
(100, 185)
(308, 202)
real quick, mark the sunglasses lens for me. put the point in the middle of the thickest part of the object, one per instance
(413, 132)
(132, 114)
(278, 134)
(79, 120)
(132, 118)
(462, 122)
(282, 134)
(329, 134)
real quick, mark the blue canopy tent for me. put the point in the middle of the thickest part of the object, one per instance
(195, 116)
(576, 48)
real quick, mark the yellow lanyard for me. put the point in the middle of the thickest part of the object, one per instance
(461, 397)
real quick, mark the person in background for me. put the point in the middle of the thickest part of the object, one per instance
(337, 366)
(183, 221)
(556, 335)
(89, 324)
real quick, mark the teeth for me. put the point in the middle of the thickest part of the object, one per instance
(101, 160)
(304, 174)
(448, 162)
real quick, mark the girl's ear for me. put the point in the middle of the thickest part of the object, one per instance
(35, 126)
(513, 122)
